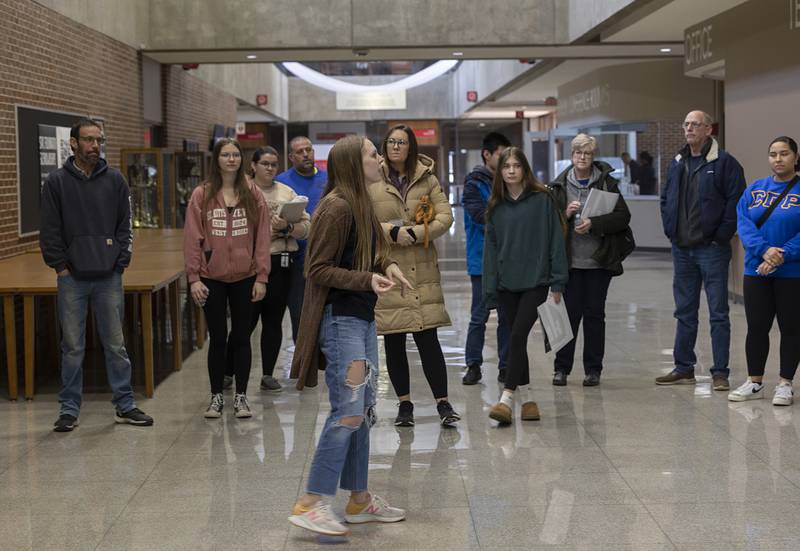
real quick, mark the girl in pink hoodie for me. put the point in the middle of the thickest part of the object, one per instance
(227, 253)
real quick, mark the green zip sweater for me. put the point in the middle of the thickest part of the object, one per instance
(524, 247)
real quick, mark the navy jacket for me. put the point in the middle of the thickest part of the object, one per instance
(86, 222)
(477, 187)
(721, 181)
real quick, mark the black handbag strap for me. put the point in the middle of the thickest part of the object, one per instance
(773, 206)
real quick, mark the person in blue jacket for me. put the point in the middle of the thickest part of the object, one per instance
(698, 210)
(772, 271)
(477, 187)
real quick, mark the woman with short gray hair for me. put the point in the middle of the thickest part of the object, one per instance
(594, 252)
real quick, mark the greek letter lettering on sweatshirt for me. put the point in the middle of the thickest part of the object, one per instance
(782, 228)
(225, 245)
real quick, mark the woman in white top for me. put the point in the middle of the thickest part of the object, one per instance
(285, 234)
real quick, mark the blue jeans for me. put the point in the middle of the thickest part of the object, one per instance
(706, 266)
(476, 333)
(343, 450)
(107, 303)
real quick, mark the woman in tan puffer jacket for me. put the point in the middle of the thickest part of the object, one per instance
(413, 211)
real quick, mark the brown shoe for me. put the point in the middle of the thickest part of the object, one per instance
(530, 411)
(720, 383)
(501, 413)
(675, 378)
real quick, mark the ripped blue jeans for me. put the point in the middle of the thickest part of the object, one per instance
(342, 455)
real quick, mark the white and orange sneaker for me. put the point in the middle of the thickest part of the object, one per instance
(319, 519)
(377, 510)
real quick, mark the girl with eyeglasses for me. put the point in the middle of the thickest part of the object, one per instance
(413, 211)
(524, 257)
(769, 228)
(264, 167)
(347, 268)
(227, 254)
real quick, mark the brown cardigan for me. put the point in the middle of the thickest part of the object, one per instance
(332, 221)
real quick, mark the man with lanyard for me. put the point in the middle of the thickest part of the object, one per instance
(305, 179)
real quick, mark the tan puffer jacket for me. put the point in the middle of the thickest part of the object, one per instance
(422, 308)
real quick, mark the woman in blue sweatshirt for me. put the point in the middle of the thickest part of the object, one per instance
(772, 271)
(524, 257)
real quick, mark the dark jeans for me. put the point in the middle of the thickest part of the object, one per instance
(764, 299)
(237, 296)
(479, 315)
(297, 287)
(695, 267)
(519, 314)
(270, 311)
(430, 354)
(585, 299)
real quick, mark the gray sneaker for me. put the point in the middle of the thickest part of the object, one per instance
(214, 410)
(270, 384)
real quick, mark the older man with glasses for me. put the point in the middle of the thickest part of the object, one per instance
(698, 210)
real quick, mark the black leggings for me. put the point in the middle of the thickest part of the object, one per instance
(430, 353)
(221, 295)
(764, 298)
(271, 311)
(518, 310)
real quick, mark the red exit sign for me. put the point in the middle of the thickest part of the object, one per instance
(425, 132)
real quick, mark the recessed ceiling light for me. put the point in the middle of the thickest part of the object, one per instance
(482, 124)
(666, 50)
(458, 54)
(252, 56)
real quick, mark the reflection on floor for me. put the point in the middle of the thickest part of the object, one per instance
(624, 466)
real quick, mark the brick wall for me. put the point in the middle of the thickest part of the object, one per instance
(52, 62)
(662, 140)
(192, 107)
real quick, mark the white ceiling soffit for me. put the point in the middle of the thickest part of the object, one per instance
(668, 22)
(576, 51)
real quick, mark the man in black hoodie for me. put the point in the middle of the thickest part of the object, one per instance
(86, 238)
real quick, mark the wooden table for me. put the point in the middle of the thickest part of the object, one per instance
(157, 263)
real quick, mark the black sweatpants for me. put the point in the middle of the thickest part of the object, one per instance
(430, 353)
(518, 311)
(270, 311)
(764, 299)
(221, 296)
(585, 299)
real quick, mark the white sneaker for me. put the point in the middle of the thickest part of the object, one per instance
(240, 407)
(214, 410)
(784, 395)
(319, 519)
(376, 511)
(748, 391)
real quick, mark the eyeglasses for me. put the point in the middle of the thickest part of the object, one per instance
(583, 154)
(267, 164)
(231, 155)
(391, 142)
(692, 124)
(92, 139)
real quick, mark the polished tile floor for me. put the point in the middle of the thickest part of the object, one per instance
(623, 466)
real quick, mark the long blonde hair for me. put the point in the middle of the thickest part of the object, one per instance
(346, 181)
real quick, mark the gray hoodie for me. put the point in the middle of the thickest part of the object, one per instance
(582, 247)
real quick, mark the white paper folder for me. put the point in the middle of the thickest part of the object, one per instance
(292, 211)
(598, 203)
(555, 323)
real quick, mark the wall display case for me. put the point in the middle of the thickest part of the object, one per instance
(149, 173)
(190, 170)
